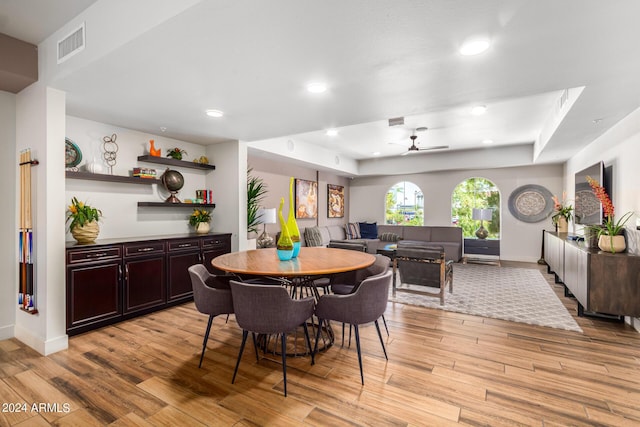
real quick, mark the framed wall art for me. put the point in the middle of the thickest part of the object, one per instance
(306, 199)
(335, 201)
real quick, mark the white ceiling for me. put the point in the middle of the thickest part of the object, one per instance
(148, 66)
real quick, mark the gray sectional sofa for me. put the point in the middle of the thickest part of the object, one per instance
(450, 238)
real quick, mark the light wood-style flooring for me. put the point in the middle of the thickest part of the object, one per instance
(444, 369)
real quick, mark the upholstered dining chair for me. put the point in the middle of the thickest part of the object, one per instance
(268, 309)
(347, 283)
(211, 295)
(365, 305)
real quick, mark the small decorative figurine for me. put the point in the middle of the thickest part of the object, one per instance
(156, 152)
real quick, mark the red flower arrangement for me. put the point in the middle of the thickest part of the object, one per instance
(611, 227)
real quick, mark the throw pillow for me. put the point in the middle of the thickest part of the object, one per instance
(389, 237)
(312, 236)
(352, 230)
(368, 230)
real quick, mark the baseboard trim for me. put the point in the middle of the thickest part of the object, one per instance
(6, 332)
(43, 347)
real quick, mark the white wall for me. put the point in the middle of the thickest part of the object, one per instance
(276, 176)
(520, 241)
(40, 126)
(119, 201)
(619, 147)
(8, 225)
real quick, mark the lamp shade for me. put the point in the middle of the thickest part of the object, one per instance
(482, 214)
(267, 215)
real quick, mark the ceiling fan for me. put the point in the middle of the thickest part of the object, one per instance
(414, 148)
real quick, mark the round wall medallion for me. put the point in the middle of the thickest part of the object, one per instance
(531, 203)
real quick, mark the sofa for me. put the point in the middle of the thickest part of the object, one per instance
(379, 236)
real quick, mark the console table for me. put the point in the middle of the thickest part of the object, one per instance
(484, 247)
(603, 283)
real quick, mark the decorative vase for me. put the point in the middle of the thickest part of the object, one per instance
(612, 244)
(87, 233)
(563, 225)
(153, 150)
(284, 247)
(203, 228)
(292, 225)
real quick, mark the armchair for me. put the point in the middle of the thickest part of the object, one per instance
(423, 266)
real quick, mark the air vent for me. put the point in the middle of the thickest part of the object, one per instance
(71, 44)
(396, 122)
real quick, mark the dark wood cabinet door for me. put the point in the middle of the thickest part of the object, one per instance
(179, 279)
(93, 295)
(213, 246)
(144, 284)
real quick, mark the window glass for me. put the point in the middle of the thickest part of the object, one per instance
(404, 204)
(478, 193)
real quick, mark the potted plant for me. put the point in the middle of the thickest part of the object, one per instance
(176, 153)
(84, 221)
(256, 191)
(563, 213)
(200, 219)
(610, 236)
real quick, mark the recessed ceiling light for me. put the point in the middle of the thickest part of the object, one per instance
(215, 113)
(474, 47)
(332, 132)
(376, 153)
(478, 110)
(317, 87)
(487, 141)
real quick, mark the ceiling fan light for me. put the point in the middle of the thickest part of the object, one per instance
(474, 47)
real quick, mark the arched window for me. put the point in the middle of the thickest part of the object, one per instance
(404, 204)
(476, 193)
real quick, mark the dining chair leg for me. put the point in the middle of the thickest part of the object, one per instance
(343, 334)
(227, 321)
(206, 338)
(306, 335)
(315, 347)
(244, 340)
(381, 341)
(355, 327)
(284, 362)
(255, 346)
(385, 324)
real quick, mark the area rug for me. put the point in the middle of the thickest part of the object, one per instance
(515, 294)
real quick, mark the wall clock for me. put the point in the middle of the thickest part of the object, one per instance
(72, 154)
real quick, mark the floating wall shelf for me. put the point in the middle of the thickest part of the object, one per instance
(88, 176)
(175, 205)
(174, 162)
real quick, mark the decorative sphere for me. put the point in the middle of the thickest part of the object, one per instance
(172, 180)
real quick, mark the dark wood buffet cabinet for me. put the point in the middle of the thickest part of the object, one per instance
(603, 283)
(117, 279)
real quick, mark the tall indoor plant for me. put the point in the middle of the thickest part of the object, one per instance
(256, 191)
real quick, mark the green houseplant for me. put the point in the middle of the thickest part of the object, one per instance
(256, 191)
(84, 221)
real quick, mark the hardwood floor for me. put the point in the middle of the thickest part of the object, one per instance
(444, 369)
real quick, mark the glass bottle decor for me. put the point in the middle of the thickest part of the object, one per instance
(292, 225)
(284, 246)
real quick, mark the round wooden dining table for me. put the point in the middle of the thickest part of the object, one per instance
(298, 273)
(311, 261)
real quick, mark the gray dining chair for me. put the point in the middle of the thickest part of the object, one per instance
(268, 309)
(365, 305)
(347, 283)
(211, 295)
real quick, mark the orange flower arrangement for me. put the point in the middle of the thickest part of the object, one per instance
(611, 227)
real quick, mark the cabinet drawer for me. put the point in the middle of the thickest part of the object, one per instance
(181, 245)
(145, 248)
(216, 242)
(94, 254)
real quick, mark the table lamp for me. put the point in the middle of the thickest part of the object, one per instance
(266, 216)
(482, 215)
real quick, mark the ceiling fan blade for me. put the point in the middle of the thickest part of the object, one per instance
(435, 147)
